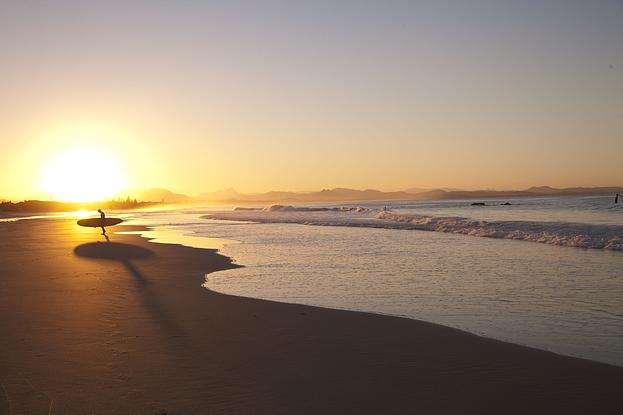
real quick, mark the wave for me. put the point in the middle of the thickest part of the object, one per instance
(556, 233)
(290, 208)
(581, 235)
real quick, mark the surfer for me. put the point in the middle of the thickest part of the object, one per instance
(102, 222)
(102, 217)
(616, 198)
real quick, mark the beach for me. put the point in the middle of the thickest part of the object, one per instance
(126, 327)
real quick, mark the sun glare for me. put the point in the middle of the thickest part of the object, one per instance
(82, 175)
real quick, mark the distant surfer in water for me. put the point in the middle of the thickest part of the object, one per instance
(616, 198)
(102, 216)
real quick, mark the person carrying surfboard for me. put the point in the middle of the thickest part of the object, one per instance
(102, 217)
(102, 222)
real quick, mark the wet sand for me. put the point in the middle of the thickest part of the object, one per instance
(90, 327)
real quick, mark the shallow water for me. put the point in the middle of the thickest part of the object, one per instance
(568, 300)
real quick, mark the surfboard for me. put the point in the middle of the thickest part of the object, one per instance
(99, 222)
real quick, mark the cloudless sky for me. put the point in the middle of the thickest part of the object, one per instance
(304, 95)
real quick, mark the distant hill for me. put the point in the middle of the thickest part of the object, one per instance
(542, 190)
(156, 195)
(416, 190)
(227, 194)
(325, 195)
(231, 196)
(344, 194)
(421, 190)
(340, 194)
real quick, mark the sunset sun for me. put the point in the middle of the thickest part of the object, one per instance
(82, 175)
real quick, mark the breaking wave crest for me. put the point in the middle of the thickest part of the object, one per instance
(581, 235)
(557, 233)
(290, 208)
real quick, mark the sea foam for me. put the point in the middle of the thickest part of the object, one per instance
(556, 233)
(581, 235)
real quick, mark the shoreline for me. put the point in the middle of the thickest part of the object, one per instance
(92, 329)
(140, 230)
(460, 330)
(445, 326)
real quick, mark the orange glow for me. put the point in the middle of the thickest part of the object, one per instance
(82, 175)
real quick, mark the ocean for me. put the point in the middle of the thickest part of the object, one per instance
(541, 272)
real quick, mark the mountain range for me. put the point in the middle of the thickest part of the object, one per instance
(344, 194)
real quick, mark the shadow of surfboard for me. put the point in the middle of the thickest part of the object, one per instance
(124, 253)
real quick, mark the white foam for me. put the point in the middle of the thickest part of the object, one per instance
(556, 233)
(580, 235)
(289, 208)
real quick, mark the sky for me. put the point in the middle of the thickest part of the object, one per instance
(302, 95)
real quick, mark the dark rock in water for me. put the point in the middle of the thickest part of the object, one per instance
(506, 204)
(478, 204)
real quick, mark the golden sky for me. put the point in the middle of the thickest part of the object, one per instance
(197, 97)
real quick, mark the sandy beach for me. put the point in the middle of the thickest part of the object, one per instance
(126, 328)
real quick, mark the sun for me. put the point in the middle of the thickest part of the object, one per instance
(82, 175)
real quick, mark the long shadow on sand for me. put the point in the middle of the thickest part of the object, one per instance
(125, 253)
(116, 251)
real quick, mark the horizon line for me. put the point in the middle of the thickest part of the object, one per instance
(125, 194)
